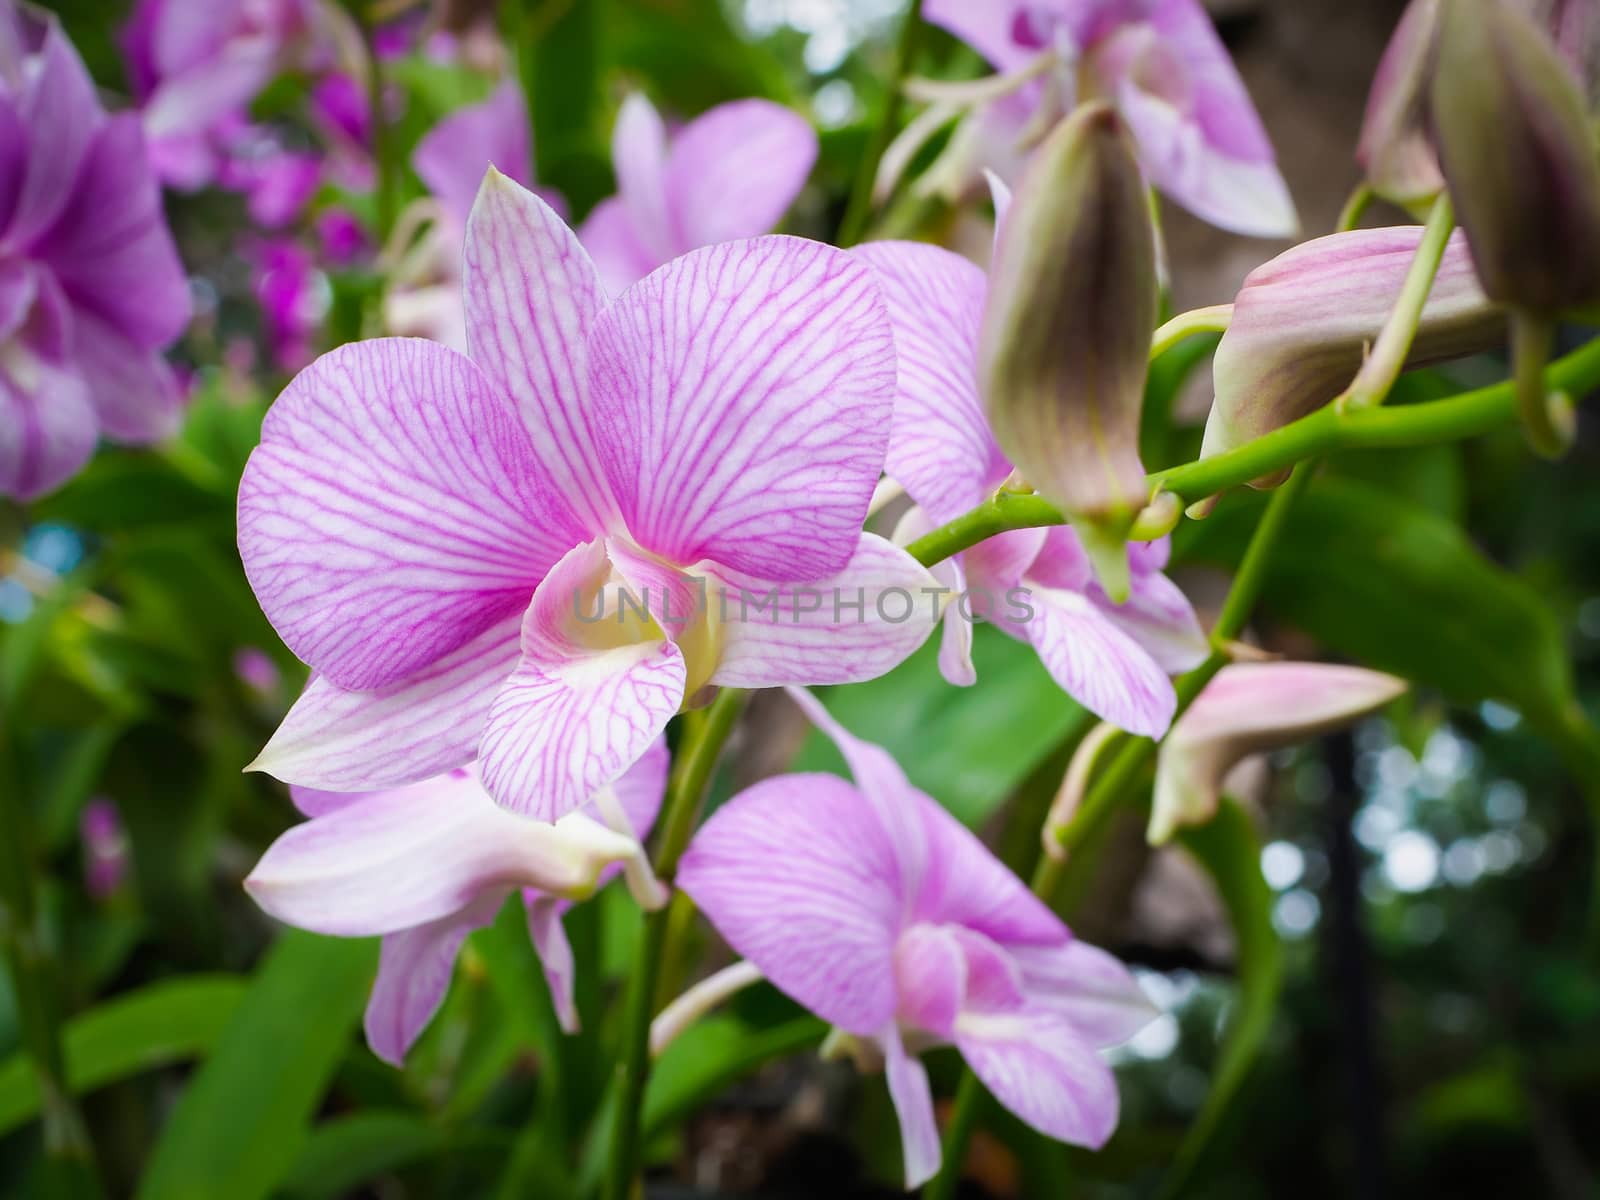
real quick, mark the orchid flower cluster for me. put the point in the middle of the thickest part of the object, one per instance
(602, 478)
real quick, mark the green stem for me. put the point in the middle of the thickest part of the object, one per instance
(1532, 339)
(1130, 762)
(387, 184)
(1214, 319)
(859, 208)
(958, 1131)
(691, 772)
(70, 1170)
(1355, 208)
(1377, 376)
(1322, 432)
(1252, 573)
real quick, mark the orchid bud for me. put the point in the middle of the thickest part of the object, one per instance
(1303, 322)
(1066, 331)
(1394, 149)
(1513, 136)
(1248, 708)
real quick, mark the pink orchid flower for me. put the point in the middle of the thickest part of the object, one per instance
(731, 173)
(537, 554)
(878, 911)
(423, 866)
(91, 288)
(277, 183)
(195, 68)
(293, 294)
(1162, 65)
(1037, 585)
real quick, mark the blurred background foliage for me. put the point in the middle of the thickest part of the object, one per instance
(1379, 965)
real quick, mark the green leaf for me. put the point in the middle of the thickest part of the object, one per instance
(126, 489)
(344, 1153)
(560, 48)
(155, 1026)
(240, 1124)
(70, 779)
(693, 57)
(968, 748)
(1380, 580)
(1227, 847)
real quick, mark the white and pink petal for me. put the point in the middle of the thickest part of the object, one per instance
(339, 740)
(531, 295)
(585, 701)
(798, 876)
(847, 627)
(743, 394)
(394, 511)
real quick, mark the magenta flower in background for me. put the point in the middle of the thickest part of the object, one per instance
(341, 235)
(341, 112)
(537, 555)
(277, 182)
(256, 670)
(196, 66)
(1161, 63)
(878, 911)
(293, 294)
(423, 866)
(730, 173)
(91, 289)
(1036, 585)
(105, 847)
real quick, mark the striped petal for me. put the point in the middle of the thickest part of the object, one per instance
(1088, 987)
(1161, 619)
(1204, 147)
(1096, 663)
(851, 626)
(347, 741)
(531, 296)
(1037, 1065)
(745, 392)
(940, 447)
(393, 511)
(392, 860)
(913, 1108)
(414, 971)
(796, 874)
(550, 943)
(579, 709)
(944, 873)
